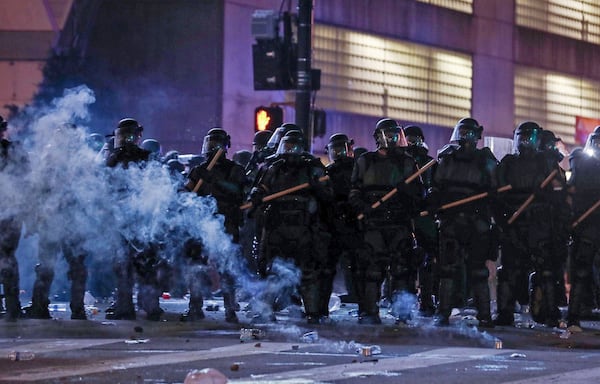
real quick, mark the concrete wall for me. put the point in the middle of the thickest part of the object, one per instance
(161, 63)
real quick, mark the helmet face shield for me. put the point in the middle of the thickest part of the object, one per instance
(413, 140)
(291, 146)
(276, 138)
(527, 139)
(212, 144)
(339, 149)
(125, 136)
(466, 132)
(391, 137)
(592, 145)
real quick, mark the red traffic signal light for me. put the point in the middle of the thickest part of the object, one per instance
(267, 118)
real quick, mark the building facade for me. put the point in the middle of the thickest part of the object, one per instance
(182, 66)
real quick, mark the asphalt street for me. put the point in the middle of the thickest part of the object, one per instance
(290, 351)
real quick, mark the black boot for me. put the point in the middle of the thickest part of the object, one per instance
(194, 312)
(78, 275)
(444, 310)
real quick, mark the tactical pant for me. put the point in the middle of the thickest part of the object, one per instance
(528, 247)
(306, 247)
(49, 250)
(385, 253)
(148, 266)
(585, 258)
(464, 248)
(198, 279)
(426, 233)
(9, 268)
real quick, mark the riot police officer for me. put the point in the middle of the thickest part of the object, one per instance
(425, 228)
(132, 257)
(154, 147)
(294, 227)
(68, 244)
(527, 242)
(265, 145)
(584, 186)
(13, 163)
(260, 152)
(387, 241)
(464, 234)
(225, 183)
(345, 238)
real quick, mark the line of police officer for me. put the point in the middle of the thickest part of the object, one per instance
(388, 228)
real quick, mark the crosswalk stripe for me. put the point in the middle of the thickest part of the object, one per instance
(58, 345)
(142, 361)
(383, 366)
(582, 376)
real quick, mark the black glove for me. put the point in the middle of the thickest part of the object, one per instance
(402, 187)
(256, 200)
(315, 183)
(204, 174)
(432, 208)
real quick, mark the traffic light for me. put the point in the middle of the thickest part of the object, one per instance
(319, 121)
(267, 118)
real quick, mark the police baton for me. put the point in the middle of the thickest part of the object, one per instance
(518, 212)
(408, 180)
(469, 199)
(585, 214)
(279, 194)
(210, 166)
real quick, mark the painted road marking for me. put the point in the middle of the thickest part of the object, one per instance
(582, 376)
(57, 345)
(141, 361)
(383, 366)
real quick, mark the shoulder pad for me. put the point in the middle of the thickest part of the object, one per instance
(487, 152)
(447, 149)
(271, 158)
(576, 153)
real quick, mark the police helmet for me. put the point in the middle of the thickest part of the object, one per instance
(96, 141)
(260, 139)
(291, 144)
(128, 131)
(466, 131)
(527, 137)
(414, 135)
(215, 138)
(151, 145)
(388, 134)
(339, 146)
(592, 145)
(274, 140)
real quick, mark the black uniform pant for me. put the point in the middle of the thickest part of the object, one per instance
(9, 268)
(584, 260)
(465, 245)
(49, 250)
(385, 253)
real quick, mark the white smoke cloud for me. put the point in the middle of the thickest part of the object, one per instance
(69, 195)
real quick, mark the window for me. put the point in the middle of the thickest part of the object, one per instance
(577, 19)
(553, 100)
(465, 6)
(371, 75)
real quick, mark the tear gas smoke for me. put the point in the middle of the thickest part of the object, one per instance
(70, 198)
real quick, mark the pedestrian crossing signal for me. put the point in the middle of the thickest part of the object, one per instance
(267, 118)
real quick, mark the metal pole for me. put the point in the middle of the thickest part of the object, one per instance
(304, 83)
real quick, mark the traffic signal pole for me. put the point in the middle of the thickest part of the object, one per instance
(304, 81)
